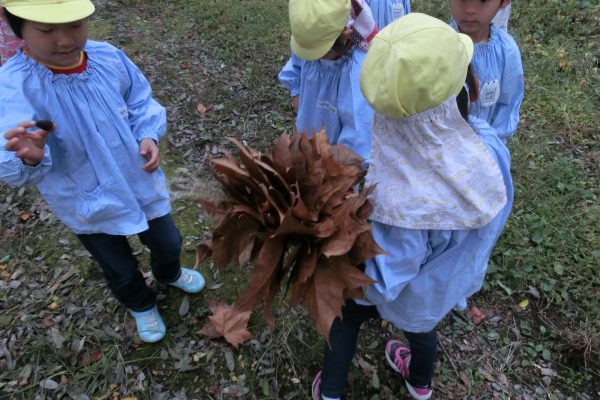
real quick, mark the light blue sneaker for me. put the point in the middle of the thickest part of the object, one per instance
(189, 281)
(150, 325)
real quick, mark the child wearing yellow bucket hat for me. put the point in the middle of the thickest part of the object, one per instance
(78, 120)
(329, 39)
(443, 195)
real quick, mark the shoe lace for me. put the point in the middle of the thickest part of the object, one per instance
(402, 360)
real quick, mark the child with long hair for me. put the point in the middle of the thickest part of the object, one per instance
(443, 195)
(94, 156)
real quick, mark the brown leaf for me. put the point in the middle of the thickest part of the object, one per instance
(203, 251)
(264, 271)
(475, 314)
(202, 108)
(225, 248)
(282, 158)
(349, 227)
(24, 215)
(227, 321)
(295, 213)
(90, 358)
(324, 298)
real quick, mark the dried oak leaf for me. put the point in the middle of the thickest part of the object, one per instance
(295, 214)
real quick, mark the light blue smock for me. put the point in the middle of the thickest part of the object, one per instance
(330, 98)
(426, 273)
(91, 175)
(387, 11)
(497, 64)
(330, 95)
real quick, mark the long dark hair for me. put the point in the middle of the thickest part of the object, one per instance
(464, 97)
(15, 23)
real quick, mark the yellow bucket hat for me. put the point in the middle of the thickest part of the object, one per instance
(315, 25)
(415, 63)
(50, 11)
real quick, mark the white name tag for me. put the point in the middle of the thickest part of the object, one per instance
(489, 93)
(123, 111)
(398, 10)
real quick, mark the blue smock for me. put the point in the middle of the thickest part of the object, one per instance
(387, 11)
(330, 95)
(91, 175)
(426, 273)
(330, 98)
(497, 64)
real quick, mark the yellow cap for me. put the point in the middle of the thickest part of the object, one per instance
(315, 25)
(415, 63)
(50, 11)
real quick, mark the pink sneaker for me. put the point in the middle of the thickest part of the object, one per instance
(398, 357)
(316, 387)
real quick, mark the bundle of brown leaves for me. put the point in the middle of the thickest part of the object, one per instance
(296, 216)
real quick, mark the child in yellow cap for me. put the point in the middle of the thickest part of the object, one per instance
(329, 40)
(94, 156)
(442, 198)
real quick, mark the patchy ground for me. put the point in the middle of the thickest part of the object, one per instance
(214, 65)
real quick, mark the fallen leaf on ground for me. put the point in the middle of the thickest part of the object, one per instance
(24, 216)
(475, 314)
(202, 108)
(228, 322)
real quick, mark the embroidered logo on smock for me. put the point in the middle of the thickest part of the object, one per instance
(398, 11)
(325, 105)
(489, 93)
(123, 111)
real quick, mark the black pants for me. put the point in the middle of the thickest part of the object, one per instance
(120, 266)
(343, 337)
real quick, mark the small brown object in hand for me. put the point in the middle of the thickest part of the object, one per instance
(45, 125)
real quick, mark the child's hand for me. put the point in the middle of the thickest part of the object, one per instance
(27, 145)
(149, 150)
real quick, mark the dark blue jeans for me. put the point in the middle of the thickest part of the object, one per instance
(120, 266)
(343, 336)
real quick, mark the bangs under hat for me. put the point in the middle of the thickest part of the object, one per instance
(50, 11)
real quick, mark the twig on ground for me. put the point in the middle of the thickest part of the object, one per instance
(441, 345)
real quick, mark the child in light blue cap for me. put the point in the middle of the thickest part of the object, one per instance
(95, 158)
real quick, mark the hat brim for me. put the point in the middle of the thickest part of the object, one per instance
(468, 43)
(57, 13)
(313, 53)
